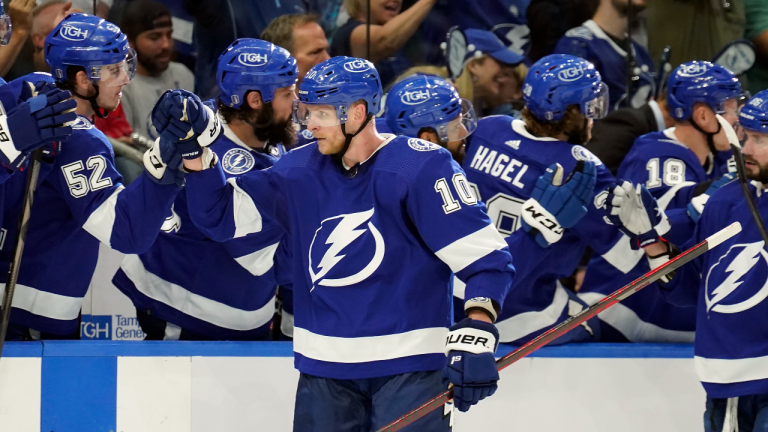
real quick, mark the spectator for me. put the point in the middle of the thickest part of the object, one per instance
(696, 30)
(492, 75)
(548, 20)
(389, 31)
(20, 12)
(505, 18)
(602, 40)
(149, 28)
(302, 36)
(218, 23)
(44, 18)
(757, 32)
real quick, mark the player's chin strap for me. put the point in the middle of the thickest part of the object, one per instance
(348, 138)
(710, 135)
(99, 111)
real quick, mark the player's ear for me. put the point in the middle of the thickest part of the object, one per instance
(429, 135)
(254, 99)
(82, 81)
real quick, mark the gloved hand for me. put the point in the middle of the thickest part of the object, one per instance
(636, 213)
(41, 119)
(696, 206)
(180, 117)
(31, 89)
(554, 206)
(163, 163)
(471, 365)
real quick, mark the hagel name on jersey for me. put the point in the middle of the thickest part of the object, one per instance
(499, 165)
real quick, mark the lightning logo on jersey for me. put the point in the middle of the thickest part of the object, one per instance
(237, 161)
(346, 239)
(741, 267)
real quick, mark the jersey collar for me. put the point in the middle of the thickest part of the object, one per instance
(387, 139)
(519, 127)
(600, 34)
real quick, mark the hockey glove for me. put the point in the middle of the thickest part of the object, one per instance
(179, 116)
(163, 163)
(636, 213)
(696, 206)
(554, 206)
(41, 119)
(471, 365)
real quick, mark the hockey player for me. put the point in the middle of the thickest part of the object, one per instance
(429, 108)
(727, 284)
(677, 167)
(377, 225)
(80, 201)
(505, 157)
(600, 40)
(187, 286)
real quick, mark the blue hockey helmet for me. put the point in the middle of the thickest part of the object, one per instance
(339, 82)
(558, 81)
(420, 101)
(93, 43)
(754, 115)
(253, 64)
(700, 81)
(5, 26)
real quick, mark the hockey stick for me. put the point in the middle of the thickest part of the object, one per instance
(741, 170)
(21, 237)
(576, 320)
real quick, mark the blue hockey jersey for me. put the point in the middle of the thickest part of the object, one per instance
(503, 163)
(590, 42)
(505, 18)
(79, 202)
(670, 171)
(728, 287)
(224, 290)
(373, 250)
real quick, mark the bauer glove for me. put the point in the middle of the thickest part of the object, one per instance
(471, 365)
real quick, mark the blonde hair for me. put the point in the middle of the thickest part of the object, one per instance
(354, 8)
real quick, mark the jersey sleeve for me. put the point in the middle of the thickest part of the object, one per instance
(455, 226)
(255, 252)
(224, 209)
(126, 219)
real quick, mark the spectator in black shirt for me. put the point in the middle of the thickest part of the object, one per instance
(548, 21)
(390, 30)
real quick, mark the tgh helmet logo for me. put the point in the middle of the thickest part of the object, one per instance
(693, 70)
(571, 74)
(252, 59)
(414, 97)
(73, 33)
(356, 66)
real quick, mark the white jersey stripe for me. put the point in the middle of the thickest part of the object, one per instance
(259, 262)
(43, 303)
(518, 326)
(369, 348)
(622, 256)
(247, 216)
(727, 371)
(102, 220)
(466, 250)
(626, 321)
(193, 304)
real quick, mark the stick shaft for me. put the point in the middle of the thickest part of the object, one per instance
(21, 236)
(576, 320)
